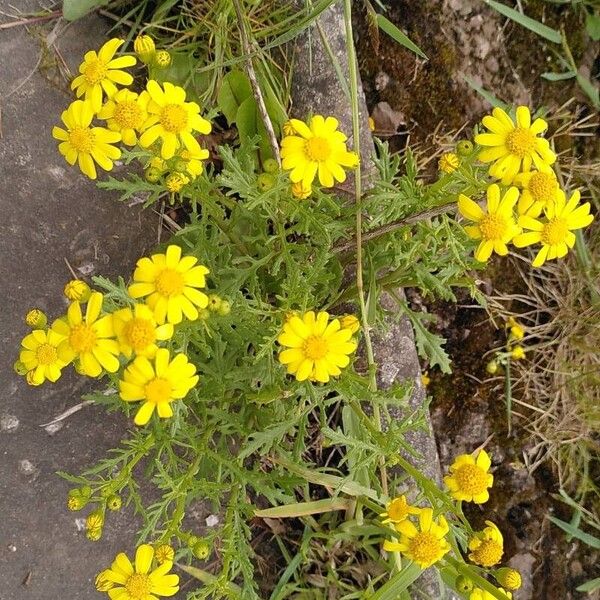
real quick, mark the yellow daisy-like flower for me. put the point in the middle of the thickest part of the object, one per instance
(137, 331)
(170, 281)
(556, 234)
(448, 162)
(487, 546)
(469, 478)
(320, 148)
(398, 510)
(496, 227)
(88, 339)
(426, 545)
(157, 383)
(193, 161)
(40, 356)
(137, 581)
(479, 594)
(82, 143)
(100, 71)
(316, 349)
(514, 147)
(538, 189)
(125, 112)
(175, 182)
(172, 119)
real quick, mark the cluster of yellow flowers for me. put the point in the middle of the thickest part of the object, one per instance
(314, 149)
(95, 340)
(469, 480)
(159, 118)
(514, 349)
(522, 162)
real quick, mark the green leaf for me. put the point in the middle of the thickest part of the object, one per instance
(75, 9)
(592, 26)
(538, 28)
(590, 89)
(591, 540)
(398, 583)
(559, 76)
(235, 89)
(395, 33)
(429, 345)
(589, 586)
(301, 509)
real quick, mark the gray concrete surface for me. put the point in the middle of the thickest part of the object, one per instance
(50, 212)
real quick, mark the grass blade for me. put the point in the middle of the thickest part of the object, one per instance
(301, 509)
(485, 94)
(392, 589)
(395, 33)
(586, 538)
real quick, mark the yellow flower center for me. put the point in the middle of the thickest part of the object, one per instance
(128, 115)
(317, 149)
(138, 586)
(398, 510)
(82, 338)
(315, 347)
(158, 390)
(424, 547)
(492, 227)
(488, 554)
(139, 334)
(82, 139)
(169, 283)
(471, 479)
(173, 118)
(520, 142)
(94, 71)
(554, 232)
(46, 354)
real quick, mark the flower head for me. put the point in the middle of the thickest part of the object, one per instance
(425, 545)
(84, 144)
(175, 182)
(556, 233)
(517, 331)
(350, 322)
(100, 71)
(171, 283)
(162, 59)
(318, 147)
(487, 546)
(315, 348)
(137, 331)
(192, 161)
(479, 594)
(508, 578)
(469, 478)
(172, 119)
(514, 147)
(137, 581)
(88, 338)
(398, 510)
(144, 47)
(125, 112)
(496, 227)
(517, 353)
(164, 553)
(78, 290)
(448, 162)
(301, 191)
(36, 318)
(41, 357)
(157, 383)
(538, 189)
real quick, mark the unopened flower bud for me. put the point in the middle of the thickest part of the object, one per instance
(350, 322)
(19, 368)
(463, 584)
(36, 319)
(214, 302)
(518, 353)
(508, 578)
(270, 166)
(192, 540)
(301, 191)
(162, 59)
(264, 182)
(164, 553)
(201, 549)
(77, 290)
(144, 48)
(31, 380)
(492, 367)
(75, 502)
(464, 148)
(175, 182)
(114, 502)
(371, 124)
(288, 128)
(203, 314)
(152, 175)
(225, 308)
(94, 534)
(95, 520)
(448, 162)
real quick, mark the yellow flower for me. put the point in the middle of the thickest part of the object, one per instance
(137, 582)
(469, 479)
(398, 510)
(94, 520)
(316, 349)
(102, 583)
(85, 144)
(157, 383)
(320, 148)
(100, 71)
(538, 188)
(36, 318)
(175, 182)
(513, 148)
(170, 281)
(125, 112)
(144, 47)
(288, 128)
(371, 124)
(193, 160)
(508, 578)
(487, 546)
(426, 545)
(137, 331)
(172, 119)
(164, 553)
(88, 339)
(517, 331)
(497, 227)
(78, 290)
(425, 379)
(40, 356)
(301, 191)
(162, 59)
(556, 234)
(479, 594)
(448, 162)
(350, 322)
(518, 353)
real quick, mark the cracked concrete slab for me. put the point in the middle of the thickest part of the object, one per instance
(51, 213)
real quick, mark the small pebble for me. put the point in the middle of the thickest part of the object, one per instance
(27, 467)
(212, 520)
(80, 524)
(8, 423)
(53, 428)
(12, 548)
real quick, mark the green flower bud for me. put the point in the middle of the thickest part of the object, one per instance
(214, 302)
(192, 540)
(94, 534)
(162, 59)
(152, 174)
(201, 549)
(19, 368)
(492, 367)
(36, 319)
(264, 182)
(464, 147)
(463, 584)
(225, 308)
(270, 166)
(114, 502)
(144, 47)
